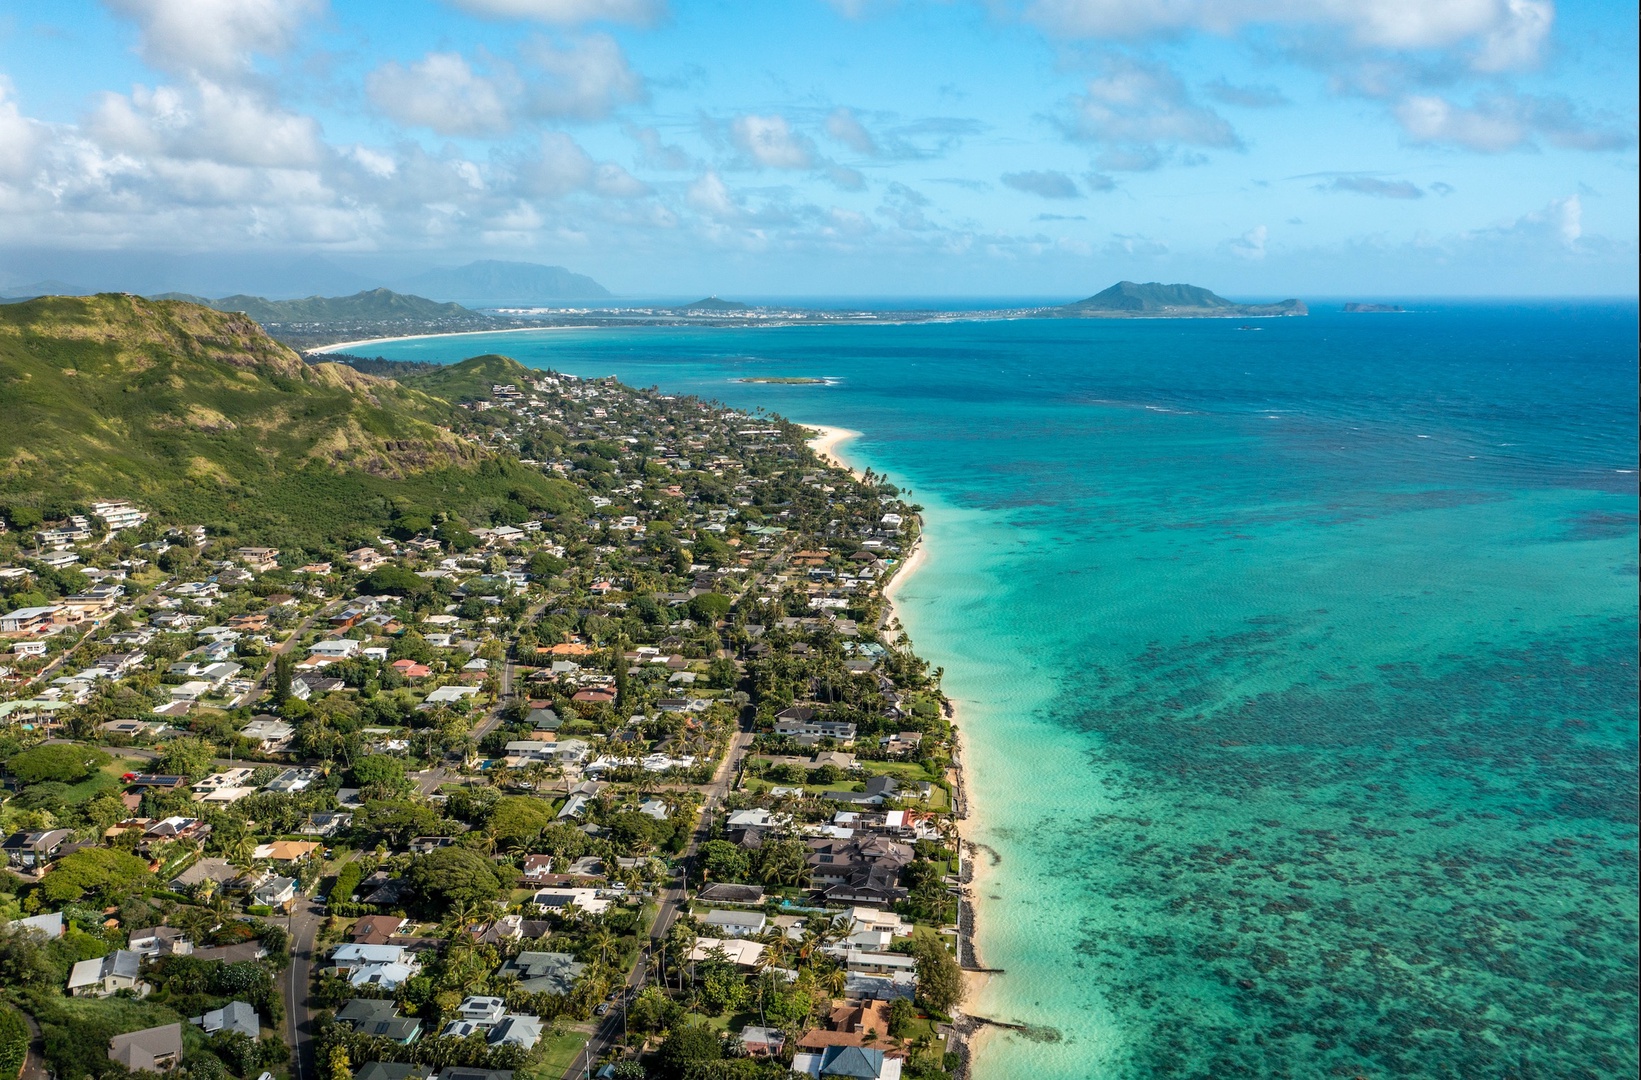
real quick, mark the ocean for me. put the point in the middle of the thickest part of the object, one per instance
(1295, 662)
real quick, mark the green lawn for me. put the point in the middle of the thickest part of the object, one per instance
(105, 779)
(900, 770)
(553, 1056)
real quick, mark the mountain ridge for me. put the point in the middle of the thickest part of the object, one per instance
(499, 281)
(201, 414)
(379, 303)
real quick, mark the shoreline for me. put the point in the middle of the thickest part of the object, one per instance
(344, 346)
(825, 445)
(1004, 315)
(967, 1029)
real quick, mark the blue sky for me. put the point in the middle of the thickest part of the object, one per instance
(838, 147)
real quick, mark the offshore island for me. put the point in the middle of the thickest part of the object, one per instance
(477, 719)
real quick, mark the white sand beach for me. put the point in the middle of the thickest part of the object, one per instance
(827, 441)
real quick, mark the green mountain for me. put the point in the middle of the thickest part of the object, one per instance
(712, 303)
(200, 415)
(372, 305)
(498, 282)
(1156, 300)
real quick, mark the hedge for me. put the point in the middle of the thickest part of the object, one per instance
(13, 1042)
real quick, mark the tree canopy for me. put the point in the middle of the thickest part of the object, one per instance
(63, 762)
(453, 876)
(91, 871)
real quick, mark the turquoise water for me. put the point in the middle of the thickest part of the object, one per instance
(1296, 668)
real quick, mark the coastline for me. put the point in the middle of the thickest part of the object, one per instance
(967, 1029)
(344, 346)
(825, 444)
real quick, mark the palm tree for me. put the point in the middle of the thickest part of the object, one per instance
(243, 855)
(603, 941)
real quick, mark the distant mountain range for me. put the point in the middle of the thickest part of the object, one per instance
(712, 303)
(49, 287)
(1128, 299)
(489, 281)
(496, 282)
(371, 305)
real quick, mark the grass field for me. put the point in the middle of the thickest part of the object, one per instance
(554, 1056)
(105, 779)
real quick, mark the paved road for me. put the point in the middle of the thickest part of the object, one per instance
(673, 901)
(304, 923)
(284, 647)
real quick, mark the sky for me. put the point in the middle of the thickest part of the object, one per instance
(912, 148)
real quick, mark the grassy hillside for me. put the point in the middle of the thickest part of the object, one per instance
(469, 380)
(200, 415)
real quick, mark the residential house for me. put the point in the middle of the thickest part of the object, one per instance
(859, 871)
(851, 1062)
(156, 941)
(738, 951)
(204, 870)
(393, 1070)
(285, 850)
(370, 1016)
(32, 850)
(236, 1016)
(270, 733)
(274, 891)
(325, 824)
(544, 972)
(48, 927)
(106, 975)
(761, 1042)
(723, 893)
(384, 966)
(376, 929)
(155, 1049)
(733, 923)
(258, 558)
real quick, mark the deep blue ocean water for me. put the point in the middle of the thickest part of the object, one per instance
(1296, 668)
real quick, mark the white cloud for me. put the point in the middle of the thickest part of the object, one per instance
(21, 138)
(1561, 220)
(1251, 244)
(844, 126)
(1046, 183)
(654, 152)
(1495, 35)
(710, 196)
(1373, 185)
(1246, 97)
(586, 81)
(1140, 113)
(206, 122)
(771, 143)
(846, 178)
(1504, 122)
(569, 12)
(442, 92)
(560, 167)
(214, 37)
